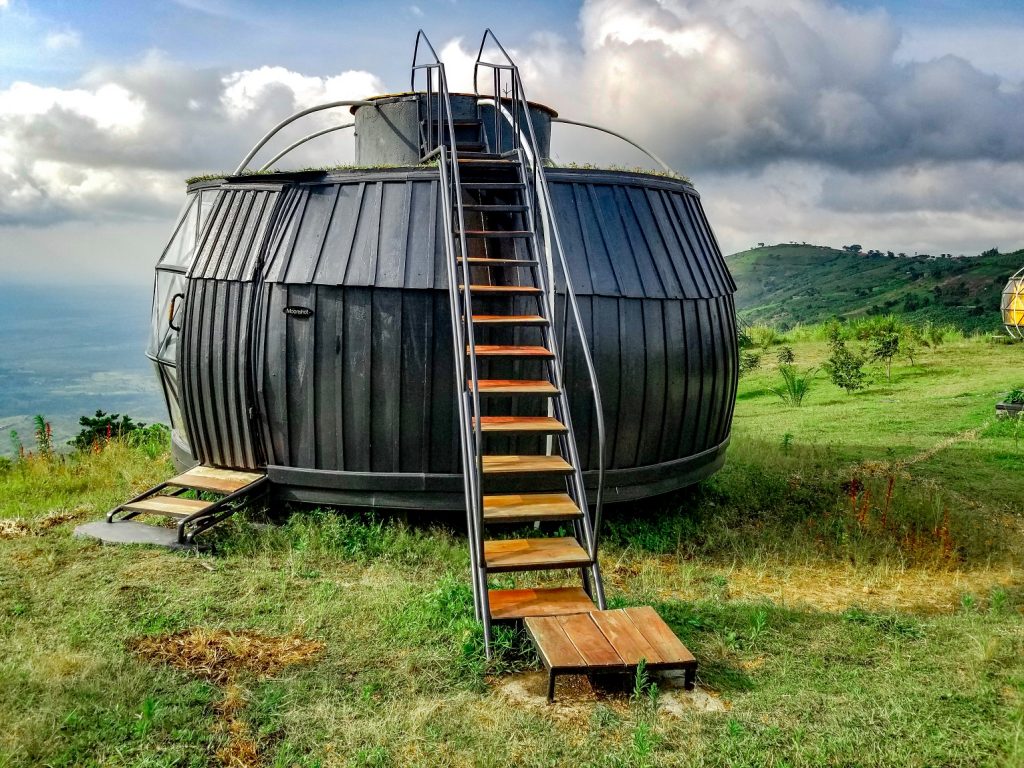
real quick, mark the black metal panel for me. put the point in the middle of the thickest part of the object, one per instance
(361, 387)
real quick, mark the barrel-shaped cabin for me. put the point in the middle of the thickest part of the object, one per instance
(302, 325)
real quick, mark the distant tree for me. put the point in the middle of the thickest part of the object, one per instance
(902, 255)
(891, 255)
(855, 248)
(990, 252)
(760, 245)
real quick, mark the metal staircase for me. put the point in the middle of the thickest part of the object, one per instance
(519, 451)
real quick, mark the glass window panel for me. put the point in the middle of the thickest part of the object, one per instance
(163, 340)
(181, 249)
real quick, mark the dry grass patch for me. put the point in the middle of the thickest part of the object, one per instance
(224, 658)
(220, 655)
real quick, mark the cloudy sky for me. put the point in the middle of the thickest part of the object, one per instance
(895, 124)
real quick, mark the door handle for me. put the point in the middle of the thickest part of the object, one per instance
(170, 311)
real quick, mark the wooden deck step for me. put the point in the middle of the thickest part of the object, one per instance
(502, 289)
(493, 185)
(545, 425)
(516, 387)
(512, 604)
(509, 320)
(534, 554)
(502, 350)
(608, 641)
(483, 261)
(528, 507)
(512, 465)
(494, 207)
(168, 506)
(498, 233)
(204, 478)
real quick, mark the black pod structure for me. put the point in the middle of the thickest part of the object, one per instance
(315, 336)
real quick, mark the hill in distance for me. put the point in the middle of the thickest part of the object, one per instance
(787, 284)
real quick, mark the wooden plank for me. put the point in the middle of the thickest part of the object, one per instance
(513, 424)
(515, 387)
(627, 640)
(509, 320)
(525, 289)
(534, 554)
(486, 261)
(659, 635)
(592, 645)
(168, 506)
(205, 478)
(512, 464)
(523, 507)
(501, 350)
(509, 604)
(555, 648)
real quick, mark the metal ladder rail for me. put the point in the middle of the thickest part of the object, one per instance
(539, 189)
(471, 438)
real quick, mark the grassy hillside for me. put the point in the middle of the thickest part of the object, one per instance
(788, 284)
(850, 584)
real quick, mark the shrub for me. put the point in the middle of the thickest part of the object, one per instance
(786, 356)
(749, 361)
(102, 428)
(1015, 396)
(845, 368)
(763, 335)
(795, 386)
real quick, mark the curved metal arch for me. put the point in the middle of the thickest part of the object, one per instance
(291, 119)
(302, 141)
(626, 139)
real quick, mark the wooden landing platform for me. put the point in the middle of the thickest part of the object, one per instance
(604, 642)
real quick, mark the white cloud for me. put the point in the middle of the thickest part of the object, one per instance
(109, 107)
(63, 40)
(246, 91)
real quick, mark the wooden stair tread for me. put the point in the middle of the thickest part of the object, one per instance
(512, 464)
(497, 233)
(542, 424)
(203, 478)
(530, 289)
(168, 506)
(509, 320)
(534, 554)
(516, 387)
(588, 641)
(508, 604)
(503, 350)
(484, 261)
(525, 507)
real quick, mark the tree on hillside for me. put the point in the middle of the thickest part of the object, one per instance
(855, 248)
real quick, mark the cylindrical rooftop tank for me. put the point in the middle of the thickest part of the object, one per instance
(315, 333)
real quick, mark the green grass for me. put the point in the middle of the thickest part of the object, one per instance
(789, 284)
(840, 623)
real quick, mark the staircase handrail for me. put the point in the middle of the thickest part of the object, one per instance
(462, 313)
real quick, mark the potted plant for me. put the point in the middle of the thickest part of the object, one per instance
(1012, 404)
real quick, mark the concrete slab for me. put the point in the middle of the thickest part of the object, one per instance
(130, 532)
